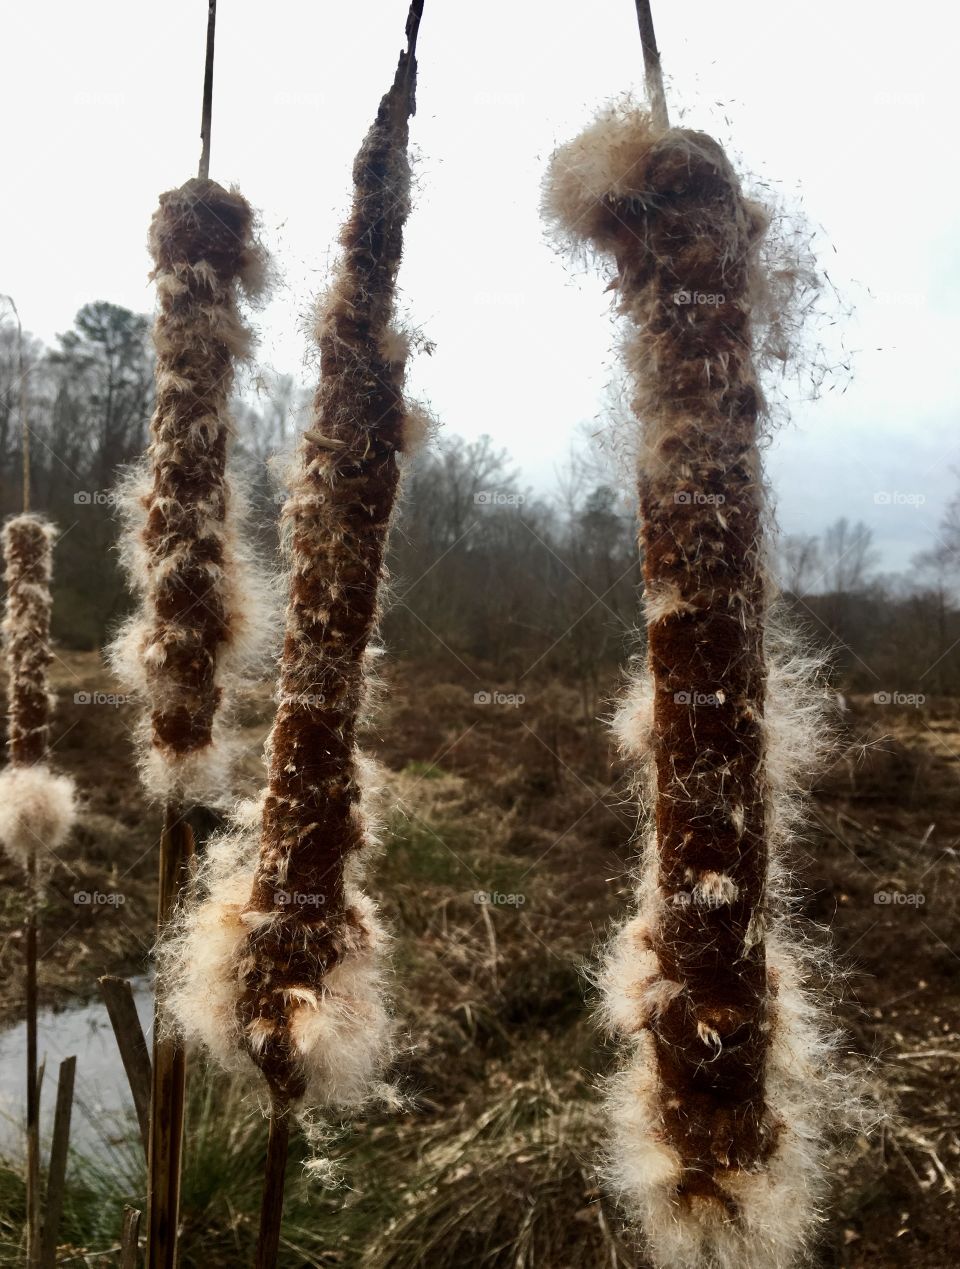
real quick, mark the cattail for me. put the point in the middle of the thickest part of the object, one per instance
(283, 962)
(718, 1114)
(36, 805)
(204, 613)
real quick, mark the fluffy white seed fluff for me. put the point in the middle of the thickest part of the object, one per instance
(251, 596)
(343, 1031)
(37, 812)
(632, 724)
(781, 1203)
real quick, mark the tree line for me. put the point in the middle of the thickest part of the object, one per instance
(484, 570)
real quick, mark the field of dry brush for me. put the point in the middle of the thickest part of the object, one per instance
(508, 857)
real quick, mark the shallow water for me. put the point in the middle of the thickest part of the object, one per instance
(101, 1087)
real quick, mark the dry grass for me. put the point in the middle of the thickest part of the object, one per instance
(493, 1163)
(509, 1184)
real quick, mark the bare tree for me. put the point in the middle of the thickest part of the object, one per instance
(800, 562)
(849, 557)
(943, 558)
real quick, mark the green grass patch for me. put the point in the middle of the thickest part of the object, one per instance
(424, 771)
(430, 854)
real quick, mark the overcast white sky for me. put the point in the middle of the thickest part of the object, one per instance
(846, 106)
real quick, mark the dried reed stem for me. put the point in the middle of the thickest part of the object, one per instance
(169, 1067)
(131, 1042)
(33, 1078)
(275, 1171)
(57, 1172)
(653, 71)
(206, 113)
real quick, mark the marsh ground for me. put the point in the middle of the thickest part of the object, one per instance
(493, 1164)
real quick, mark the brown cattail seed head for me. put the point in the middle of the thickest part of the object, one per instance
(28, 554)
(36, 806)
(202, 611)
(717, 1130)
(337, 518)
(297, 934)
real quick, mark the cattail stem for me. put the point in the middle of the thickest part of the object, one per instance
(271, 1206)
(653, 71)
(168, 1095)
(206, 116)
(33, 1085)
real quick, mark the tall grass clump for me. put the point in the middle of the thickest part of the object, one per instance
(507, 1184)
(720, 1112)
(222, 1179)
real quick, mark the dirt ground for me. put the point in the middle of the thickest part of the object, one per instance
(525, 800)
